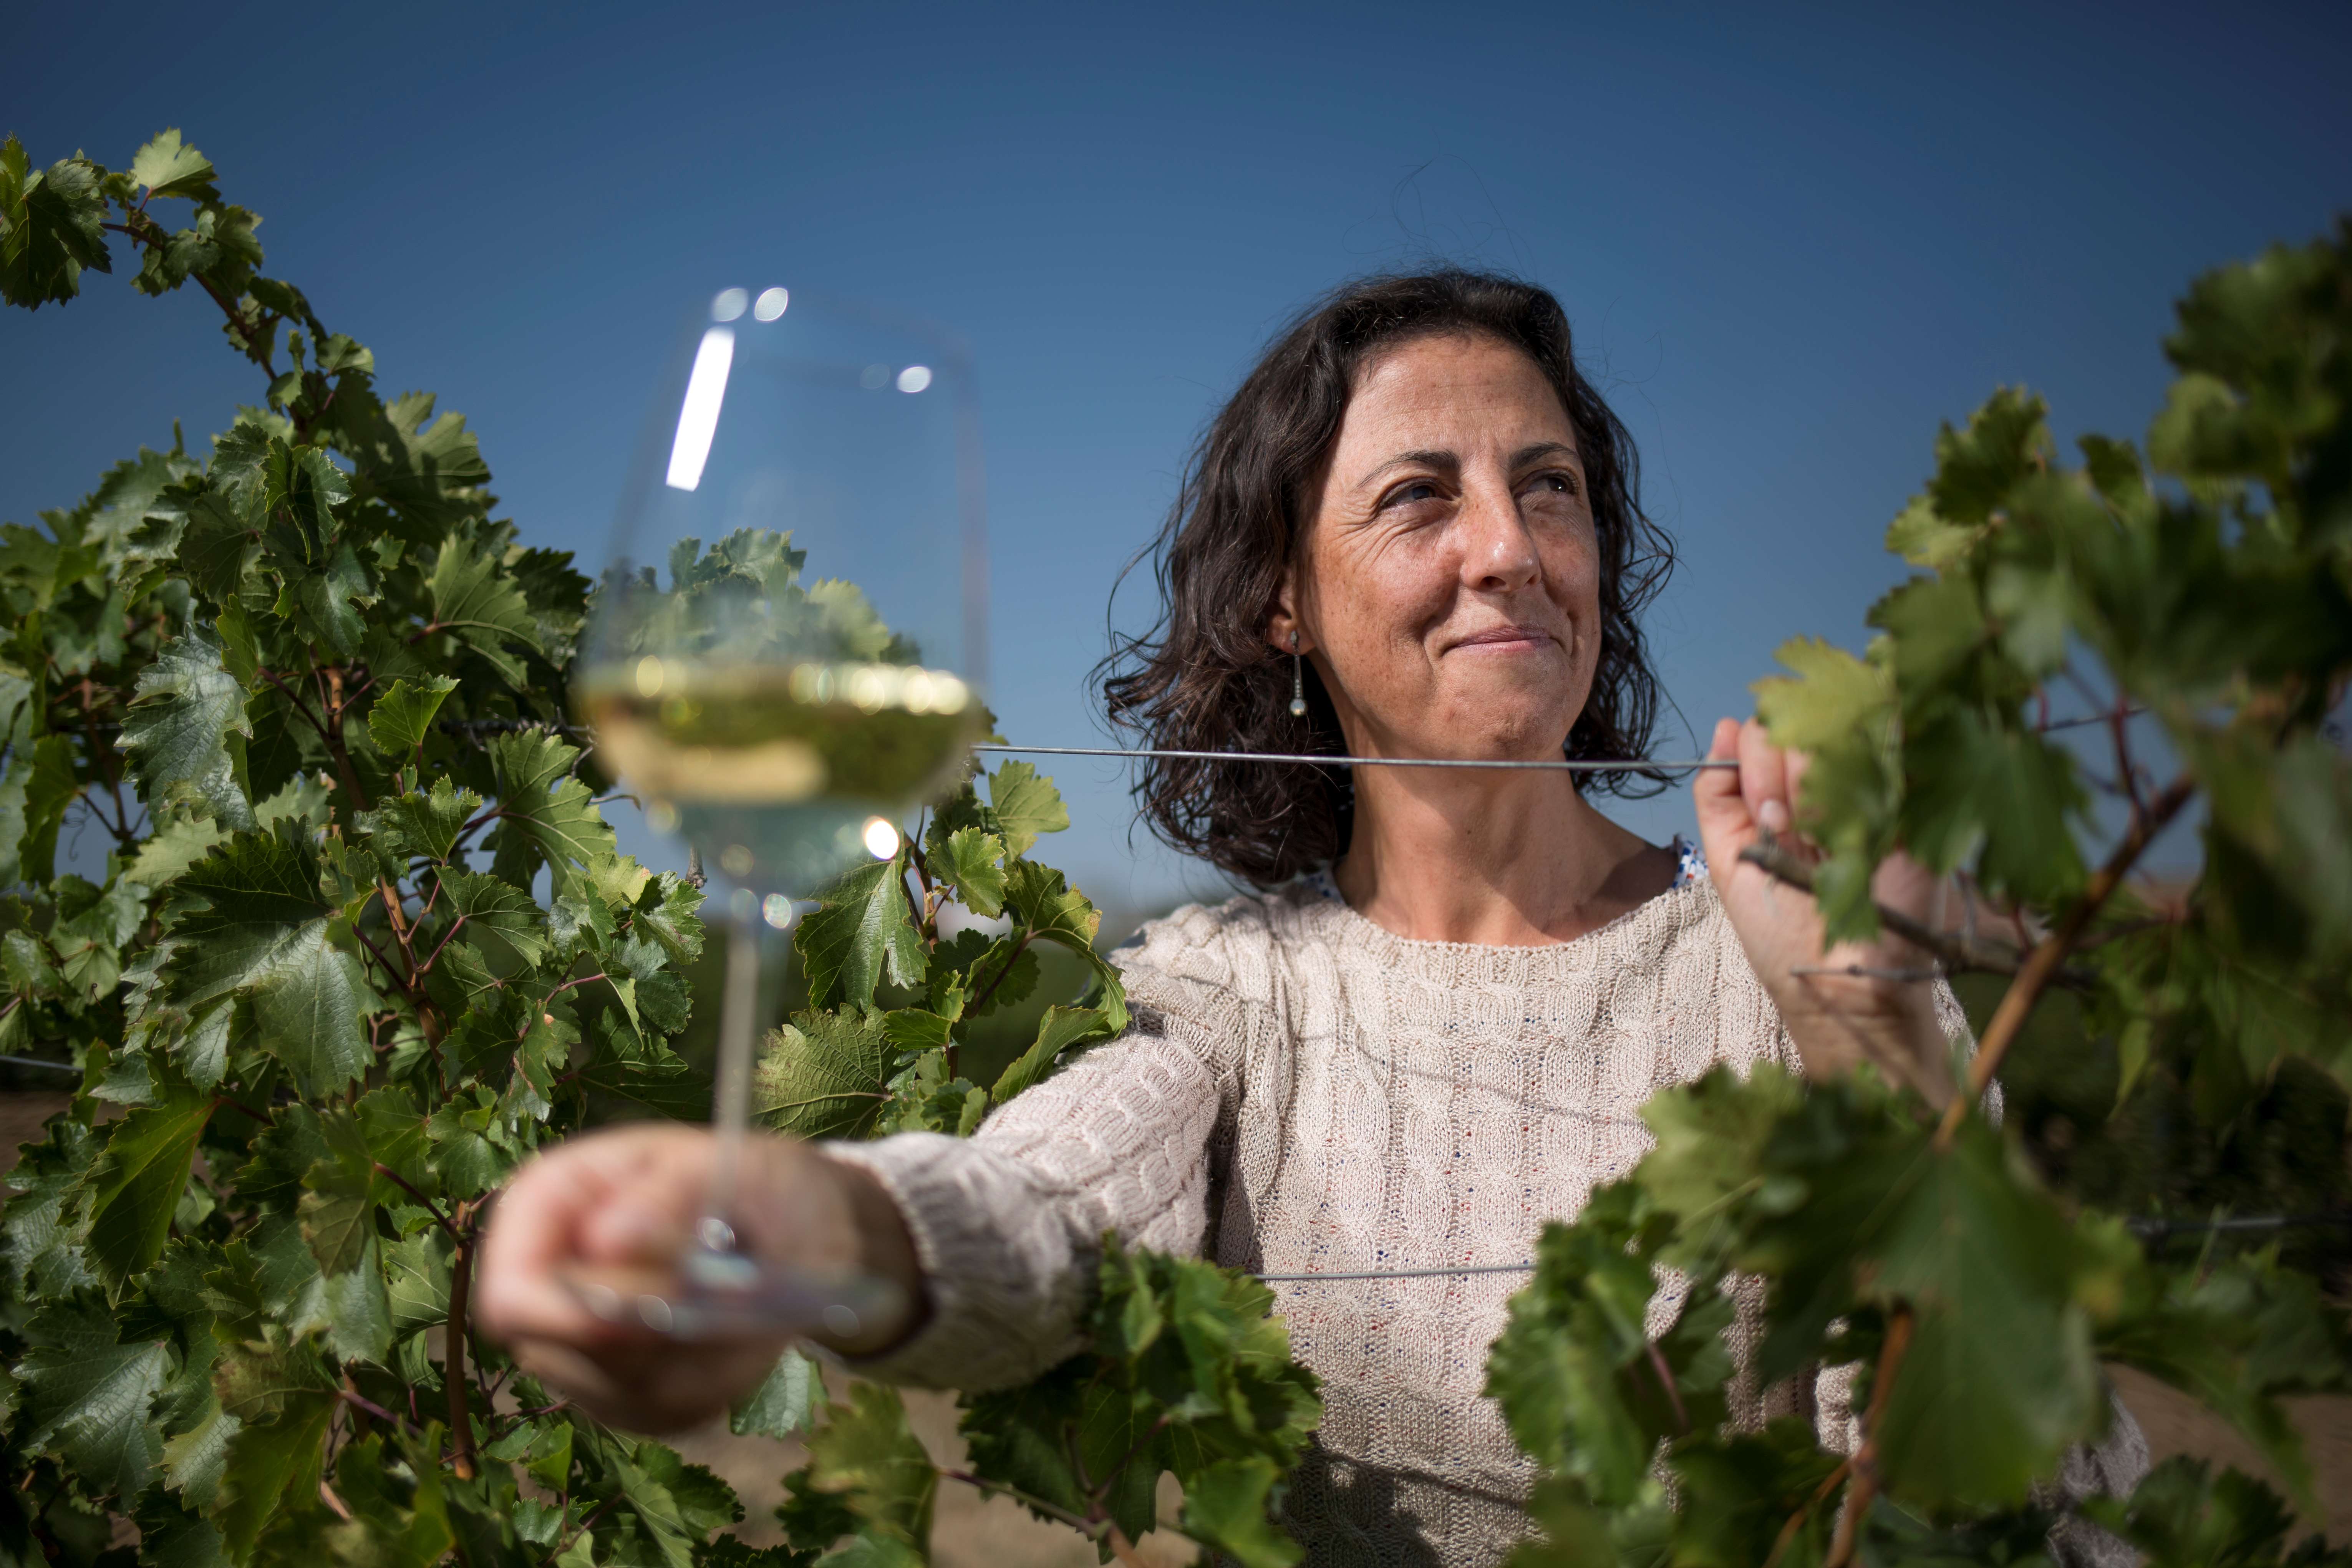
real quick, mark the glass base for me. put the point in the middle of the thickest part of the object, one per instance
(711, 1294)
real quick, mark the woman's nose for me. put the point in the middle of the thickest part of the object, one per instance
(1497, 552)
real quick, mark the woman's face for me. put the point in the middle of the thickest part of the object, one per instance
(1449, 590)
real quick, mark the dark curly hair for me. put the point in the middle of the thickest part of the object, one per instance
(1203, 677)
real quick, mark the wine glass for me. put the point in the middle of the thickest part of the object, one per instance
(781, 663)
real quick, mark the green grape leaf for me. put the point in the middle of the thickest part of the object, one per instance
(1711, 1138)
(1188, 1370)
(1055, 913)
(1739, 1493)
(429, 474)
(1025, 803)
(970, 864)
(327, 599)
(35, 794)
(2000, 1380)
(475, 598)
(263, 1380)
(782, 1405)
(488, 905)
(168, 166)
(2005, 441)
(403, 716)
(548, 815)
(866, 1457)
(42, 1227)
(51, 228)
(416, 1281)
(176, 844)
(665, 909)
(400, 1515)
(1060, 1030)
(913, 1029)
(218, 546)
(268, 1463)
(1563, 1369)
(421, 824)
(88, 1395)
(1229, 1507)
(172, 1537)
(1828, 696)
(138, 1181)
(197, 1461)
(2234, 1334)
(862, 929)
(248, 920)
(1924, 539)
(824, 1075)
(668, 1088)
(2183, 1515)
(676, 1503)
(177, 732)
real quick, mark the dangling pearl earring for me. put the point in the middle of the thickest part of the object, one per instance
(1297, 680)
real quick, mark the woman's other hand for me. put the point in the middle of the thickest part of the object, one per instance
(1836, 1019)
(631, 1197)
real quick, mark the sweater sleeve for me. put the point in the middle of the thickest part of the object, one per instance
(1008, 1224)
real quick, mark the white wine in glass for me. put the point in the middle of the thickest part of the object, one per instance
(781, 665)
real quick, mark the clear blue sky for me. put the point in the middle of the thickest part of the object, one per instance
(1791, 240)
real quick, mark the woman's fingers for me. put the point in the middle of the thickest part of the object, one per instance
(624, 1196)
(1764, 779)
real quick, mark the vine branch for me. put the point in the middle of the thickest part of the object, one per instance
(2042, 965)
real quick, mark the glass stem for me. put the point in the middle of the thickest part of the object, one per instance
(731, 1114)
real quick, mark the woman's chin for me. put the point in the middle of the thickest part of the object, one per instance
(1497, 732)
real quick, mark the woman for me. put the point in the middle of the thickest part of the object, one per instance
(1411, 533)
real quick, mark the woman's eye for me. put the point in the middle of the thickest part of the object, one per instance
(1558, 482)
(1418, 490)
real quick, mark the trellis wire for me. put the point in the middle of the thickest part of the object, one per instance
(1321, 760)
(2147, 1229)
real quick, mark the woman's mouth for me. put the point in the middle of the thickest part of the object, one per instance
(1507, 639)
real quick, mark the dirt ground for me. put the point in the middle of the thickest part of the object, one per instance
(971, 1534)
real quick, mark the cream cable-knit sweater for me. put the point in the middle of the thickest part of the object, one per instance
(1303, 1091)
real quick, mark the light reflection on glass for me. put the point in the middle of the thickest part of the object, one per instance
(914, 378)
(729, 305)
(698, 417)
(770, 303)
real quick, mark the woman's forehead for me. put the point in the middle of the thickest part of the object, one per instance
(1459, 393)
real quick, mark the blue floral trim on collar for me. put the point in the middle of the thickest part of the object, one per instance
(1690, 866)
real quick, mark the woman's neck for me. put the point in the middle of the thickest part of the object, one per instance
(1501, 859)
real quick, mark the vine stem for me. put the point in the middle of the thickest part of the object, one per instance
(1966, 952)
(1027, 1499)
(1796, 1519)
(1864, 1490)
(2042, 966)
(430, 1206)
(452, 1358)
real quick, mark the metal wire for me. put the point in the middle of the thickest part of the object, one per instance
(1398, 1273)
(37, 1062)
(2147, 1229)
(2158, 1229)
(1564, 765)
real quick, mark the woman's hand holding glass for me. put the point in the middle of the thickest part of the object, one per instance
(624, 1201)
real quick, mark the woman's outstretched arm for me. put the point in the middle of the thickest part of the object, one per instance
(992, 1239)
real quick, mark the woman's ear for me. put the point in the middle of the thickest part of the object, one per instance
(1283, 628)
